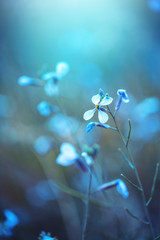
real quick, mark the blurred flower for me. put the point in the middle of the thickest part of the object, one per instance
(62, 125)
(10, 222)
(46, 109)
(25, 81)
(122, 97)
(41, 193)
(43, 145)
(51, 87)
(154, 5)
(69, 156)
(121, 187)
(145, 108)
(62, 68)
(46, 236)
(91, 125)
(88, 158)
(99, 101)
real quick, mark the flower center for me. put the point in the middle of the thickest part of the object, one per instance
(96, 106)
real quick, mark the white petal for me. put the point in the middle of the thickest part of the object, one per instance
(68, 149)
(96, 99)
(64, 160)
(106, 101)
(89, 114)
(102, 116)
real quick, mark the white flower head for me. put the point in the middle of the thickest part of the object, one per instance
(68, 155)
(99, 101)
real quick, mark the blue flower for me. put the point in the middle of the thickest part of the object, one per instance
(46, 236)
(122, 93)
(43, 145)
(51, 88)
(68, 155)
(122, 97)
(62, 68)
(26, 81)
(45, 108)
(91, 125)
(119, 184)
(99, 101)
(11, 219)
(10, 222)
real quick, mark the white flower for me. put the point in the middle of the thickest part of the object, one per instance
(68, 155)
(99, 102)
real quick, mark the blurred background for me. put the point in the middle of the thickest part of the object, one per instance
(108, 44)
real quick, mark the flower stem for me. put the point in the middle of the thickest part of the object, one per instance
(87, 207)
(136, 174)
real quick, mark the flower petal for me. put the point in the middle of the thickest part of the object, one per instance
(51, 88)
(102, 116)
(65, 160)
(123, 94)
(62, 68)
(48, 75)
(96, 99)
(122, 189)
(106, 101)
(67, 148)
(89, 114)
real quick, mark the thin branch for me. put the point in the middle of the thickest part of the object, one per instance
(153, 184)
(133, 184)
(125, 158)
(87, 207)
(137, 218)
(129, 132)
(137, 175)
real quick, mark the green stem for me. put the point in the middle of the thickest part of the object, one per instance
(87, 207)
(136, 173)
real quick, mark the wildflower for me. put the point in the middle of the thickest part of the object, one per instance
(69, 156)
(26, 81)
(10, 222)
(91, 125)
(62, 68)
(43, 145)
(99, 100)
(119, 184)
(92, 151)
(88, 158)
(51, 87)
(45, 108)
(62, 125)
(46, 236)
(123, 97)
(52, 78)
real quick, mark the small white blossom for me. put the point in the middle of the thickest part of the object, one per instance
(99, 102)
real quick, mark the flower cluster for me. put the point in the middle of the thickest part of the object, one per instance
(49, 79)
